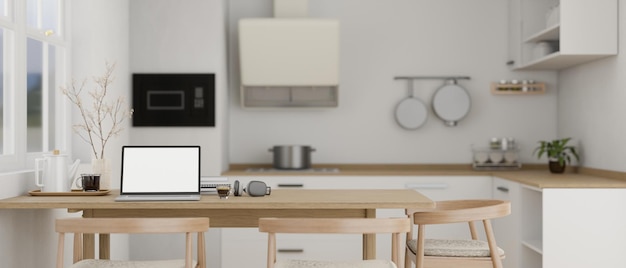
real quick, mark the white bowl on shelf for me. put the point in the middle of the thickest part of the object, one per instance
(481, 157)
(496, 157)
(510, 157)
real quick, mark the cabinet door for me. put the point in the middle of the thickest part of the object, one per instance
(507, 229)
(515, 34)
(584, 228)
(574, 36)
(247, 247)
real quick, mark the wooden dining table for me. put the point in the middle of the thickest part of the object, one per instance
(236, 211)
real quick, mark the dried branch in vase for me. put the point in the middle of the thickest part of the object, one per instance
(101, 118)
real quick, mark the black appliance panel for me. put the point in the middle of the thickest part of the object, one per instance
(174, 99)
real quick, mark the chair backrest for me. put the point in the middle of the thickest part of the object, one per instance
(452, 211)
(456, 211)
(395, 226)
(80, 226)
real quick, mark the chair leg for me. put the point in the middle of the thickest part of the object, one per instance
(419, 254)
(409, 236)
(396, 242)
(201, 251)
(493, 247)
(78, 247)
(188, 250)
(271, 250)
(60, 246)
(407, 258)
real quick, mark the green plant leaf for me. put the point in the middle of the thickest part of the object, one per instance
(557, 149)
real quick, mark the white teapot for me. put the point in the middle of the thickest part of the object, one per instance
(53, 174)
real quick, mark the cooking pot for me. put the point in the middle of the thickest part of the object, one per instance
(292, 156)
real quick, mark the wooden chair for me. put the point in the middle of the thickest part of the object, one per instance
(396, 227)
(80, 226)
(454, 252)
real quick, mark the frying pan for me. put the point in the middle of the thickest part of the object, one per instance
(451, 103)
(411, 113)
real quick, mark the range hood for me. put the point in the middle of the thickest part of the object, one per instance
(289, 62)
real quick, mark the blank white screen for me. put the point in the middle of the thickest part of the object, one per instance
(161, 170)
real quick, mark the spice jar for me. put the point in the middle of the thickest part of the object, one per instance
(495, 144)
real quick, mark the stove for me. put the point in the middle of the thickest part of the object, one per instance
(311, 170)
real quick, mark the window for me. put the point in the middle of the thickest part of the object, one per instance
(1, 91)
(44, 15)
(32, 70)
(34, 95)
(4, 8)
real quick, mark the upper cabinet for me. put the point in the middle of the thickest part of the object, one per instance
(289, 62)
(553, 34)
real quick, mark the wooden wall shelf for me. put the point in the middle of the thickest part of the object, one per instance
(518, 89)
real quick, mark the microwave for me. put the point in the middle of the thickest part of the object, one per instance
(174, 99)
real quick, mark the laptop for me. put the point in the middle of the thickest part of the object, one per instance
(160, 173)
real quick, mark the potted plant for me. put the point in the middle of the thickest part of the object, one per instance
(558, 152)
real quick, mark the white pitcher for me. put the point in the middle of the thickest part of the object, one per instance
(53, 174)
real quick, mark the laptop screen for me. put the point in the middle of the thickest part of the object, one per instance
(160, 169)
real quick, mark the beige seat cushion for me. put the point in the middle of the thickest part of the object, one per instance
(130, 264)
(454, 248)
(334, 264)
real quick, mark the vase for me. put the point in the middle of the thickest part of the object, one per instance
(556, 167)
(101, 166)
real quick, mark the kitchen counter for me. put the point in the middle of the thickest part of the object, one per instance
(532, 175)
(545, 179)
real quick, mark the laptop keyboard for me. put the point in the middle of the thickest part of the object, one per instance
(186, 197)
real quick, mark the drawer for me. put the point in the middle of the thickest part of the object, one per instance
(289, 246)
(317, 246)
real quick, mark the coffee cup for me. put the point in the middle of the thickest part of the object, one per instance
(223, 191)
(88, 182)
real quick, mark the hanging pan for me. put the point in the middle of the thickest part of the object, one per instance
(411, 113)
(451, 103)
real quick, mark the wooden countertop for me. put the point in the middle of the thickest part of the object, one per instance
(545, 179)
(533, 175)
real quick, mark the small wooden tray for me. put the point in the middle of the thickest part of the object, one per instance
(72, 193)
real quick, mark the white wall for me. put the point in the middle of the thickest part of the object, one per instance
(591, 107)
(381, 40)
(100, 34)
(24, 232)
(170, 37)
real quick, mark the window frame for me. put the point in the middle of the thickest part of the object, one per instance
(15, 157)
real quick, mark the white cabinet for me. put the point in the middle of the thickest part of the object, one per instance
(520, 233)
(507, 229)
(254, 244)
(531, 232)
(561, 227)
(578, 31)
(584, 228)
